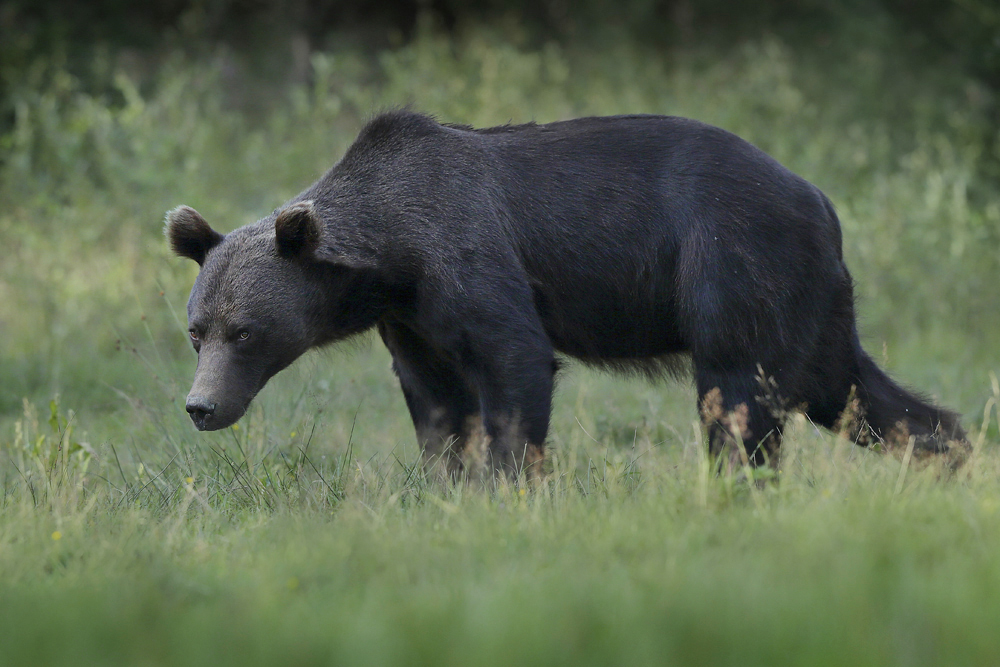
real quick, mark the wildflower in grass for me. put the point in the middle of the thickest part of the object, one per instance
(56, 536)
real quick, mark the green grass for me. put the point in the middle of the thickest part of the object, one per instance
(307, 535)
(632, 553)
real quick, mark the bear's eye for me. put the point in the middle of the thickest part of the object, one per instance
(244, 334)
(193, 334)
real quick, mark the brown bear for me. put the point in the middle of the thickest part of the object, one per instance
(479, 254)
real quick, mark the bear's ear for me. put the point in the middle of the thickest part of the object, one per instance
(299, 233)
(189, 234)
(297, 230)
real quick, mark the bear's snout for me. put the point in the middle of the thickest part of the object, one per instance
(201, 411)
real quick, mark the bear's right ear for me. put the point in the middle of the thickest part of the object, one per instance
(189, 234)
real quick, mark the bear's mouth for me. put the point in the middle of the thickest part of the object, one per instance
(204, 423)
(207, 415)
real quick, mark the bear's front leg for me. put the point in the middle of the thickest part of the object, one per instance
(477, 369)
(514, 372)
(445, 411)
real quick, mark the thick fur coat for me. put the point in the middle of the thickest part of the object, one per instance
(627, 242)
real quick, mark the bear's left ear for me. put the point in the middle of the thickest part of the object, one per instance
(297, 230)
(190, 236)
(300, 233)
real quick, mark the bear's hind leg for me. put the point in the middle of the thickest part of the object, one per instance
(742, 428)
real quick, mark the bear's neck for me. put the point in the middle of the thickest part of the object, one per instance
(353, 301)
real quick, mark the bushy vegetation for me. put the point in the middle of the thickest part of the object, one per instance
(306, 534)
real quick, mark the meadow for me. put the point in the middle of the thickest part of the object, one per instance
(306, 534)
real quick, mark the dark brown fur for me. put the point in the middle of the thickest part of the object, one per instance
(630, 243)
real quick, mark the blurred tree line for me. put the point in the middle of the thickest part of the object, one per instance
(268, 43)
(965, 31)
(39, 37)
(41, 40)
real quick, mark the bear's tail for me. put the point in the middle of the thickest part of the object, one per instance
(893, 414)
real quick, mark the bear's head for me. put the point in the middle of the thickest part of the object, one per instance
(265, 294)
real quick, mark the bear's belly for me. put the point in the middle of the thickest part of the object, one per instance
(598, 323)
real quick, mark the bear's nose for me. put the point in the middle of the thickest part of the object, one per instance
(200, 410)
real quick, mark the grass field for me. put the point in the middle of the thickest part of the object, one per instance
(306, 534)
